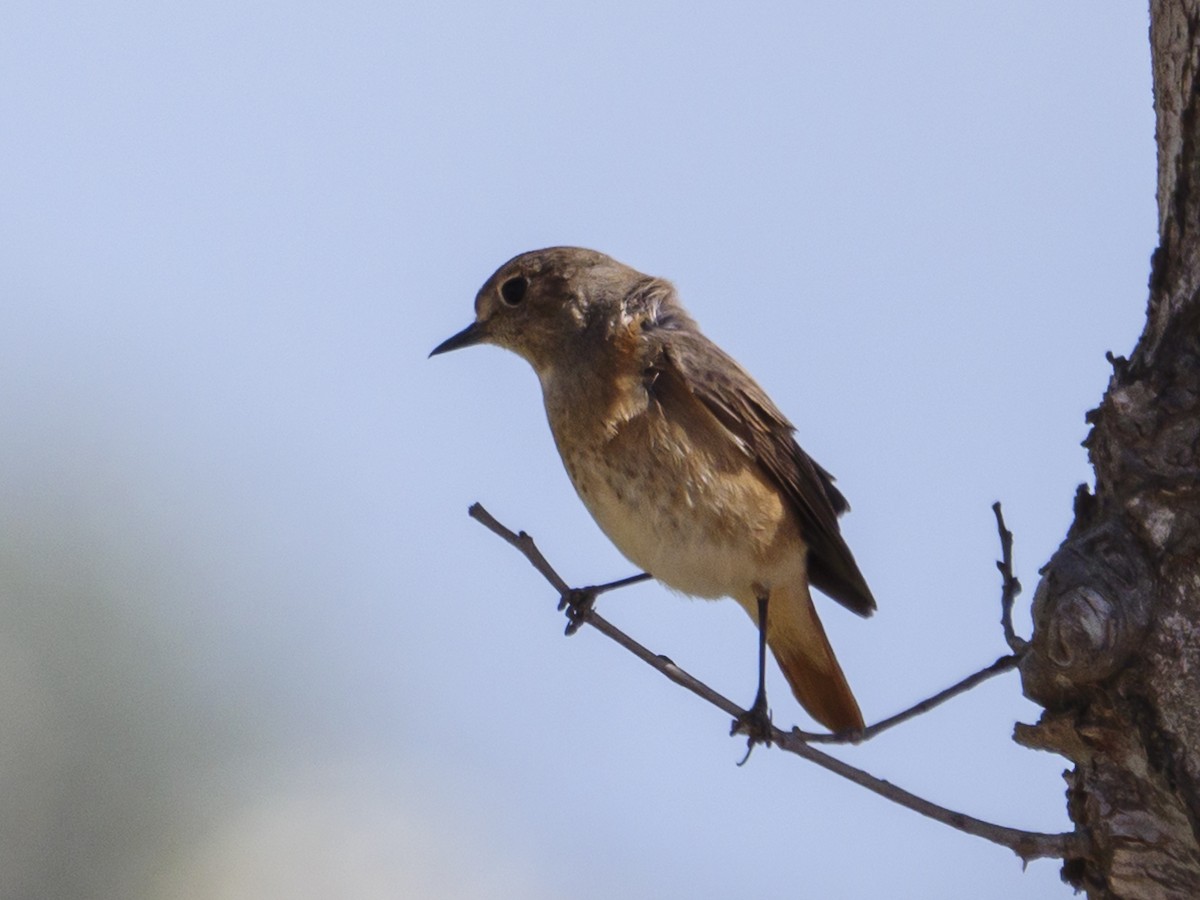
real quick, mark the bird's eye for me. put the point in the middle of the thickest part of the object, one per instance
(513, 290)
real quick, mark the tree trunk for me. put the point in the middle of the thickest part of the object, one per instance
(1115, 656)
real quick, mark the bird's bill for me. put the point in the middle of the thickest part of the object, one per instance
(472, 334)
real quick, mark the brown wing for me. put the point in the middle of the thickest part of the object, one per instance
(743, 408)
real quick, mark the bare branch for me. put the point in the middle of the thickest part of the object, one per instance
(1028, 845)
(1003, 664)
(522, 542)
(1010, 586)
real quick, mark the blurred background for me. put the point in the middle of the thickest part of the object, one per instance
(251, 644)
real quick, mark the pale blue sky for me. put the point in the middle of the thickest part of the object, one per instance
(250, 643)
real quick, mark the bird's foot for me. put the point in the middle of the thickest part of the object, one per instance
(577, 603)
(755, 723)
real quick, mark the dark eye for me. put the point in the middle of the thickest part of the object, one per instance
(513, 290)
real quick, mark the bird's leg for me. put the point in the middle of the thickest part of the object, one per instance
(577, 602)
(755, 722)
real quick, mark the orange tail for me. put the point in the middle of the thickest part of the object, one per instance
(797, 638)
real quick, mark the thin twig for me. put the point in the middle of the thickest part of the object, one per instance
(1010, 585)
(522, 542)
(1003, 664)
(1028, 845)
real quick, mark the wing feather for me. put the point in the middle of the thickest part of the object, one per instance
(688, 359)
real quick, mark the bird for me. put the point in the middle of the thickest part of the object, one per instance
(683, 461)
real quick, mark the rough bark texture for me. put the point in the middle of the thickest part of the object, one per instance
(1115, 656)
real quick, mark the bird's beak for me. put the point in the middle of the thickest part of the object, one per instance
(472, 334)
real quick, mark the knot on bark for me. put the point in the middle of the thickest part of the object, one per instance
(1091, 611)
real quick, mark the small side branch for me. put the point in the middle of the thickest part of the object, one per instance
(1003, 664)
(1010, 587)
(1028, 845)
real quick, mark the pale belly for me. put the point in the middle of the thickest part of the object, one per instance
(704, 523)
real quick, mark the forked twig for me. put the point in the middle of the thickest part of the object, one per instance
(1010, 587)
(1028, 845)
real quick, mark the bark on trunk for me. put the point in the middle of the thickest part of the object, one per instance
(1115, 656)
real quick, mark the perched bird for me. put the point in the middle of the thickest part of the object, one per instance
(679, 455)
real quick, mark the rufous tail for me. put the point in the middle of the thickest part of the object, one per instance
(797, 638)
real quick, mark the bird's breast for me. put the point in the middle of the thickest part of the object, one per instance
(677, 496)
